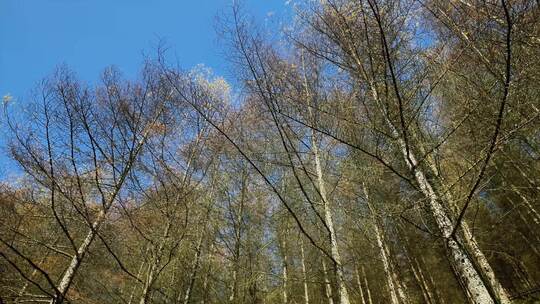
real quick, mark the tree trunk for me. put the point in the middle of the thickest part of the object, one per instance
(484, 265)
(368, 291)
(421, 285)
(145, 295)
(417, 272)
(338, 267)
(233, 288)
(472, 280)
(462, 264)
(69, 273)
(400, 288)
(359, 284)
(431, 281)
(327, 286)
(383, 253)
(132, 294)
(207, 274)
(426, 284)
(472, 247)
(194, 270)
(284, 277)
(156, 260)
(304, 275)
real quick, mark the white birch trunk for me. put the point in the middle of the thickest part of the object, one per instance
(194, 270)
(463, 265)
(327, 286)
(417, 273)
(400, 288)
(208, 271)
(284, 277)
(139, 272)
(304, 275)
(154, 266)
(422, 284)
(426, 285)
(472, 246)
(69, 273)
(431, 281)
(342, 289)
(368, 291)
(232, 297)
(359, 284)
(484, 265)
(382, 251)
(145, 295)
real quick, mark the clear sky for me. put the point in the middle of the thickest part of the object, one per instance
(89, 35)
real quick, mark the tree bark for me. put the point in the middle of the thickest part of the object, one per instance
(139, 272)
(208, 271)
(327, 286)
(156, 260)
(338, 267)
(471, 279)
(233, 287)
(194, 270)
(368, 291)
(471, 246)
(463, 265)
(304, 275)
(359, 284)
(383, 253)
(69, 273)
(284, 275)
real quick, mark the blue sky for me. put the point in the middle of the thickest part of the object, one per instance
(89, 35)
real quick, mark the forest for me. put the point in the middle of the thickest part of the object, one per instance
(368, 151)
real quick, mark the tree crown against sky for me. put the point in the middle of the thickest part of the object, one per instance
(370, 151)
